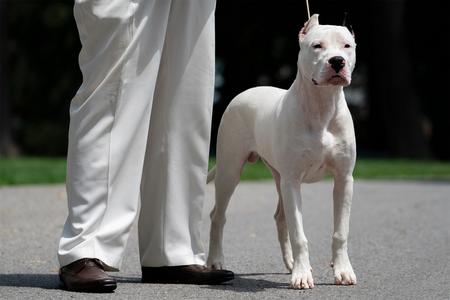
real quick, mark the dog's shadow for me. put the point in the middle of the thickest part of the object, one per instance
(246, 283)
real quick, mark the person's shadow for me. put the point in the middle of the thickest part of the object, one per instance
(44, 281)
(241, 283)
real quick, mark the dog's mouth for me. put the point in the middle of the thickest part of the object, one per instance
(338, 79)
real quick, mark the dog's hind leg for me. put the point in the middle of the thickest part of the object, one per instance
(280, 220)
(231, 157)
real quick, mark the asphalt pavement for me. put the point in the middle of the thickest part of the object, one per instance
(399, 245)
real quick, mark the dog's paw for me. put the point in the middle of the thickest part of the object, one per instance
(343, 272)
(302, 279)
(215, 264)
(289, 263)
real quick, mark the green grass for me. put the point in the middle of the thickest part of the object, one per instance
(374, 169)
(33, 170)
(402, 169)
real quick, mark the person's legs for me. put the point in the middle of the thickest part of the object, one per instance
(176, 160)
(122, 45)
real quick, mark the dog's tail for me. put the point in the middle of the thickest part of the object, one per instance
(211, 175)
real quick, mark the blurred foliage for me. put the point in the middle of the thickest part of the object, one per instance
(256, 45)
(43, 47)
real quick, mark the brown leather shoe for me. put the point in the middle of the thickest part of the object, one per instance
(189, 274)
(86, 275)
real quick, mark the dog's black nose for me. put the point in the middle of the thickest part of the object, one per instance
(337, 63)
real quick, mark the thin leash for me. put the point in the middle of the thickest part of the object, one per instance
(344, 23)
(307, 9)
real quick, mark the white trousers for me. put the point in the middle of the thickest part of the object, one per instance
(140, 130)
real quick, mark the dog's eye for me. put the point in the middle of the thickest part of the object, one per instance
(317, 46)
(347, 46)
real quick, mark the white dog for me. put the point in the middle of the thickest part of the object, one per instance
(300, 134)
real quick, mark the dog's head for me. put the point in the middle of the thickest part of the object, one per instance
(327, 53)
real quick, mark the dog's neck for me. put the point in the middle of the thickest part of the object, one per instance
(317, 104)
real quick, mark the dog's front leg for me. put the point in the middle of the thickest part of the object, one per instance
(342, 198)
(301, 277)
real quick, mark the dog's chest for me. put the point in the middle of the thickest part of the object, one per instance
(313, 153)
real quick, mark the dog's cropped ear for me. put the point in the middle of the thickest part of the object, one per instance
(346, 24)
(312, 22)
(350, 28)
